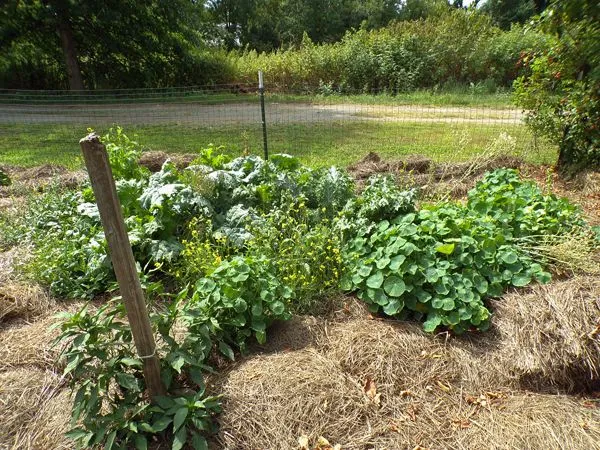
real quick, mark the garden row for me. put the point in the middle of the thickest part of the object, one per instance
(228, 246)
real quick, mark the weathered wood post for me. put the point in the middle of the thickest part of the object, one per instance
(103, 184)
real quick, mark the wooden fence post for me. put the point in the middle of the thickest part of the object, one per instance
(103, 184)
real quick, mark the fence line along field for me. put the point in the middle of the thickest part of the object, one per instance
(402, 302)
(318, 129)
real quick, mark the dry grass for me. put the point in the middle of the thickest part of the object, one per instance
(34, 410)
(23, 300)
(373, 384)
(28, 344)
(550, 336)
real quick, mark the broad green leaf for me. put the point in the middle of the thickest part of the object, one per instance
(521, 279)
(76, 434)
(445, 249)
(394, 286)
(480, 283)
(431, 275)
(378, 296)
(161, 423)
(383, 262)
(278, 308)
(179, 418)
(179, 439)
(141, 443)
(376, 280)
(510, 257)
(393, 307)
(226, 350)
(240, 305)
(131, 362)
(365, 271)
(163, 401)
(432, 322)
(177, 363)
(543, 277)
(448, 304)
(199, 442)
(396, 262)
(128, 381)
(110, 440)
(453, 318)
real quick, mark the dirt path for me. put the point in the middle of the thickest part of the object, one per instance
(202, 114)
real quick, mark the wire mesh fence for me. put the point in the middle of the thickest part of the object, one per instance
(320, 129)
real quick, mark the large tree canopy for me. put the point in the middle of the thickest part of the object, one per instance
(87, 43)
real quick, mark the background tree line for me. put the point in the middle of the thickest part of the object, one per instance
(88, 44)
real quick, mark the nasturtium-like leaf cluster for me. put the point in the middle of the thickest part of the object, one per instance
(440, 263)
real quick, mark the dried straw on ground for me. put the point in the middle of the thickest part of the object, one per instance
(551, 335)
(23, 300)
(400, 388)
(273, 400)
(34, 410)
(28, 344)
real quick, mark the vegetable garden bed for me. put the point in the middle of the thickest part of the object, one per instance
(286, 303)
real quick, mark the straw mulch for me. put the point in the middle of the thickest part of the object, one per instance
(20, 300)
(35, 405)
(34, 410)
(365, 383)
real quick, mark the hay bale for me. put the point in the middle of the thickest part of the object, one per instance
(534, 421)
(551, 336)
(368, 166)
(34, 410)
(270, 401)
(25, 301)
(28, 345)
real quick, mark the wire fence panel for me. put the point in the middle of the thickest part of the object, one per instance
(319, 129)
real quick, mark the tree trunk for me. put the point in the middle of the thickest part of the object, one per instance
(70, 52)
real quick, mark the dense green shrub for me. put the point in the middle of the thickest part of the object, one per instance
(110, 406)
(561, 90)
(458, 47)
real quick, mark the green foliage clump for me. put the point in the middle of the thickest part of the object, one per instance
(561, 88)
(239, 299)
(442, 50)
(69, 249)
(4, 178)
(442, 262)
(110, 406)
(304, 250)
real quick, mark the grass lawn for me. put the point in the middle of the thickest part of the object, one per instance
(456, 97)
(315, 144)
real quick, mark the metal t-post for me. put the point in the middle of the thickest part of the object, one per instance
(261, 90)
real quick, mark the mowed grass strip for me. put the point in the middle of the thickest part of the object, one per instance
(316, 144)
